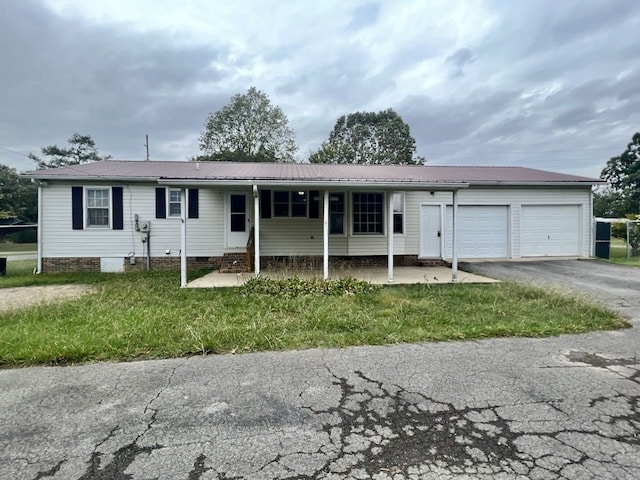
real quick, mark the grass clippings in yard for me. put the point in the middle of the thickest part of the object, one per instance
(146, 315)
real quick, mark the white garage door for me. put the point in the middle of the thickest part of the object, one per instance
(482, 231)
(550, 230)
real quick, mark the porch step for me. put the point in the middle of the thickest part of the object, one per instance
(433, 262)
(234, 263)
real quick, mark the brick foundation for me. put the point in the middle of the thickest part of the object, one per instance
(92, 264)
(70, 264)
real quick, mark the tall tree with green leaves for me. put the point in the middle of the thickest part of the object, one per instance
(81, 149)
(248, 129)
(623, 174)
(369, 138)
(18, 196)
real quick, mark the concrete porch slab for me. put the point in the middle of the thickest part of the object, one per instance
(378, 275)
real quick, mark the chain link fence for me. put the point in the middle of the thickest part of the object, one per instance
(18, 246)
(625, 241)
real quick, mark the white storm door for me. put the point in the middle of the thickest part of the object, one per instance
(238, 220)
(430, 231)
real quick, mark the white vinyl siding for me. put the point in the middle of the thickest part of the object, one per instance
(205, 235)
(515, 198)
(282, 236)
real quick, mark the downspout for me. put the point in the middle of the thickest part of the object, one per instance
(40, 230)
(454, 244)
(592, 243)
(183, 239)
(390, 237)
(325, 236)
(256, 229)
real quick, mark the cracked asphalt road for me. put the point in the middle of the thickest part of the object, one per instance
(564, 407)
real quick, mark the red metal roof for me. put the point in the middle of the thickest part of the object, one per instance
(304, 172)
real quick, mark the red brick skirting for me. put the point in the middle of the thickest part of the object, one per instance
(92, 264)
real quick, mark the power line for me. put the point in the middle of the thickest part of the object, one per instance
(13, 151)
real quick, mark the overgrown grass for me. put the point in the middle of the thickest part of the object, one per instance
(146, 315)
(6, 247)
(618, 254)
(20, 274)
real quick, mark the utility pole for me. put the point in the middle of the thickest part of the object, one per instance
(147, 145)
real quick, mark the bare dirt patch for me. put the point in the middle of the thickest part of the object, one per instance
(24, 297)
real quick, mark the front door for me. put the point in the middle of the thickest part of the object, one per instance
(238, 220)
(430, 231)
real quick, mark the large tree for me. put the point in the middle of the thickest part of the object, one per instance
(18, 196)
(370, 138)
(248, 129)
(81, 149)
(623, 174)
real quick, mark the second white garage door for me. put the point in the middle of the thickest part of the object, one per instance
(550, 230)
(483, 231)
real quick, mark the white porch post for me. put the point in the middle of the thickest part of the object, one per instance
(256, 229)
(390, 237)
(39, 234)
(183, 238)
(325, 236)
(454, 237)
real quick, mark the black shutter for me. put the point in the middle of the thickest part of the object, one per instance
(118, 215)
(265, 203)
(314, 204)
(76, 208)
(161, 203)
(193, 203)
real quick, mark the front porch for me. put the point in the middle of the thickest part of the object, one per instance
(377, 275)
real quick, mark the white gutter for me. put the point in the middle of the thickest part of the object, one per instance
(319, 184)
(76, 178)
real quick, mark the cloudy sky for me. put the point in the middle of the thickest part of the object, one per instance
(551, 84)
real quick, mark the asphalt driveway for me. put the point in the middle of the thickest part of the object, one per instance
(617, 286)
(564, 407)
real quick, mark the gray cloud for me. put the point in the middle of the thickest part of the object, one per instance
(542, 83)
(364, 16)
(458, 60)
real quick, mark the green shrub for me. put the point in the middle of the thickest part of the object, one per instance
(619, 230)
(296, 287)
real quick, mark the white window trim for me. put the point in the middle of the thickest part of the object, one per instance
(353, 208)
(169, 202)
(85, 207)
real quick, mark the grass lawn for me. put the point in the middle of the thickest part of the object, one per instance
(618, 253)
(146, 315)
(18, 247)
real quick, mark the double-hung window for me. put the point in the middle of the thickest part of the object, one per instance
(368, 214)
(175, 202)
(336, 213)
(290, 203)
(98, 207)
(398, 212)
